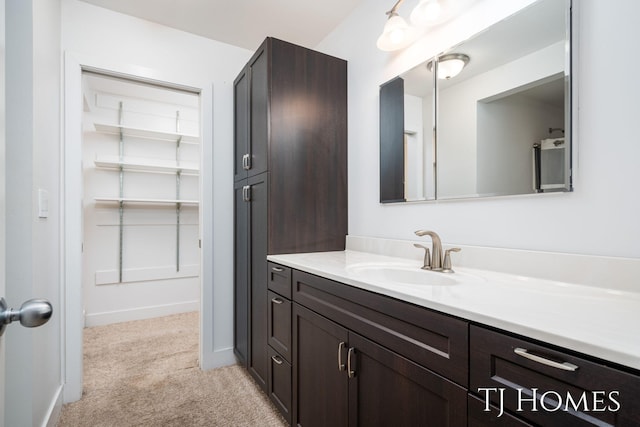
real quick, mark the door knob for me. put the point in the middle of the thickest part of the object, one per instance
(33, 313)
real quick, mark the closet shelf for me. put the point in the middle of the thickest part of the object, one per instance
(145, 201)
(146, 133)
(145, 165)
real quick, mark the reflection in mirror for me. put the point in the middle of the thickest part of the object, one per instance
(419, 148)
(407, 149)
(503, 123)
(502, 127)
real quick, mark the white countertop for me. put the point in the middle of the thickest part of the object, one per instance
(596, 321)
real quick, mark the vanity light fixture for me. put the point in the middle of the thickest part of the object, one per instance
(426, 12)
(396, 33)
(450, 65)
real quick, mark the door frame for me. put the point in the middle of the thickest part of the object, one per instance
(71, 186)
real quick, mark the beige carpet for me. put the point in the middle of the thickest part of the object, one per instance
(145, 373)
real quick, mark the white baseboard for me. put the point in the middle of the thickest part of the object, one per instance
(118, 316)
(55, 408)
(218, 359)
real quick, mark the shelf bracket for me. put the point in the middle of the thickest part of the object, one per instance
(121, 203)
(178, 205)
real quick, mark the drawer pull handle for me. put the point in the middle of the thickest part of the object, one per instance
(350, 372)
(565, 366)
(277, 269)
(276, 359)
(341, 366)
(276, 300)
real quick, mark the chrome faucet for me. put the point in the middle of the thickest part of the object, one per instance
(436, 251)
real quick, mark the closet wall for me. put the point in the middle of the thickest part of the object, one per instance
(149, 266)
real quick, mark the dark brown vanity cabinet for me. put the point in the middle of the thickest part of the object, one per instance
(342, 356)
(290, 181)
(357, 369)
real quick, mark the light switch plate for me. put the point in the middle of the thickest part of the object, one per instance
(43, 203)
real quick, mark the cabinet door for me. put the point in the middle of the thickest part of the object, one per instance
(280, 383)
(258, 359)
(479, 416)
(259, 111)
(280, 324)
(388, 390)
(320, 387)
(240, 272)
(241, 124)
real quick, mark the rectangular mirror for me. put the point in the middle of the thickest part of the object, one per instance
(502, 123)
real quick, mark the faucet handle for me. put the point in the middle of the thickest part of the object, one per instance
(426, 265)
(446, 264)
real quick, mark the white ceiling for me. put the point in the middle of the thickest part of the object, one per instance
(243, 23)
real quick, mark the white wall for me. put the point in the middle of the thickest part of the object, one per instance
(599, 217)
(97, 35)
(33, 75)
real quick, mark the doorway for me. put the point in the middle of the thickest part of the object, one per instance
(141, 162)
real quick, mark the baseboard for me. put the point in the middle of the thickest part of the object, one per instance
(218, 359)
(140, 313)
(53, 413)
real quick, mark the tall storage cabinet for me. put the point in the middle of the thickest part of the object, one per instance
(290, 177)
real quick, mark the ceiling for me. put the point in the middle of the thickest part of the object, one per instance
(243, 23)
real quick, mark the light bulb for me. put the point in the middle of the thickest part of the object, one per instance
(450, 65)
(395, 35)
(426, 12)
(450, 68)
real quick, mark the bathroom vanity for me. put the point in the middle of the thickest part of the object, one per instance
(470, 349)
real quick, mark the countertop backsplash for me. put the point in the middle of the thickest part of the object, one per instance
(600, 271)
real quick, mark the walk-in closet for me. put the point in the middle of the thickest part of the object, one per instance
(141, 161)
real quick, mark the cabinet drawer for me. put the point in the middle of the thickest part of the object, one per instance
(480, 417)
(433, 340)
(279, 324)
(570, 390)
(280, 279)
(280, 383)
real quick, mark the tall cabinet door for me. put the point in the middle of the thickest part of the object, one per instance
(388, 390)
(320, 385)
(258, 111)
(241, 272)
(241, 125)
(258, 274)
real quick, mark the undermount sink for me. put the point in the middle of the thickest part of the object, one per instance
(405, 274)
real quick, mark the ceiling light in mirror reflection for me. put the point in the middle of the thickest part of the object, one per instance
(450, 65)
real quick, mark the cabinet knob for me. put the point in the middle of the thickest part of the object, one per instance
(246, 193)
(351, 371)
(341, 366)
(246, 162)
(565, 366)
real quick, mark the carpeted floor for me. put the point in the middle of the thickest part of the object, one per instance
(145, 373)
